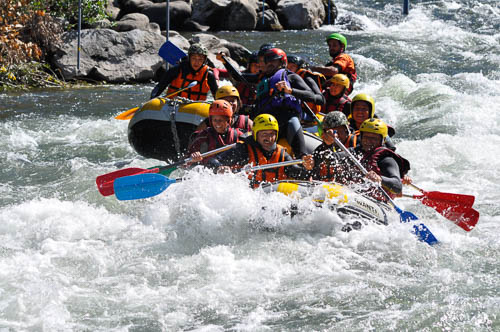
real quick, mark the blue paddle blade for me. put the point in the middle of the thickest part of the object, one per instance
(424, 234)
(171, 53)
(141, 186)
(421, 231)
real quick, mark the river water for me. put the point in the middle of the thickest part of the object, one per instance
(193, 257)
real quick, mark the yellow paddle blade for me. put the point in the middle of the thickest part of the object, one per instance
(127, 115)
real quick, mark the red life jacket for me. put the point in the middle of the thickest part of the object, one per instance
(198, 92)
(242, 122)
(209, 139)
(256, 157)
(335, 104)
(247, 93)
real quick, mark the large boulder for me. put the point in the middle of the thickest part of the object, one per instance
(301, 14)
(226, 14)
(112, 9)
(132, 21)
(214, 45)
(133, 6)
(107, 55)
(180, 11)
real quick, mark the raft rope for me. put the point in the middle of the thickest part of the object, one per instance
(173, 128)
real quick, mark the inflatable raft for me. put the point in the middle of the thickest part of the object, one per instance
(161, 128)
(345, 201)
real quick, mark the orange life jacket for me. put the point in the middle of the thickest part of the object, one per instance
(346, 63)
(198, 92)
(256, 157)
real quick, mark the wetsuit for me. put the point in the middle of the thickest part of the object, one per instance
(185, 68)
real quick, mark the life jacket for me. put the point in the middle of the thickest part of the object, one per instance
(270, 101)
(326, 167)
(247, 93)
(209, 139)
(336, 104)
(347, 67)
(370, 162)
(353, 140)
(320, 81)
(198, 92)
(242, 122)
(256, 157)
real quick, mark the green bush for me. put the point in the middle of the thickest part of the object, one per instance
(92, 10)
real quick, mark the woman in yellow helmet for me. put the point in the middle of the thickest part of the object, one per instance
(336, 98)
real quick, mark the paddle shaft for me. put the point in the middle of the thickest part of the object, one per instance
(275, 165)
(127, 115)
(203, 155)
(236, 71)
(364, 171)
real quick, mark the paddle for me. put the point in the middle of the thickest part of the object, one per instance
(463, 216)
(171, 53)
(464, 200)
(105, 182)
(148, 185)
(320, 124)
(127, 115)
(422, 232)
(235, 71)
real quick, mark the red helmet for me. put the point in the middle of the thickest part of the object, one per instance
(221, 107)
(275, 54)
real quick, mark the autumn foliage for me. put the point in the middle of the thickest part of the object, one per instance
(26, 34)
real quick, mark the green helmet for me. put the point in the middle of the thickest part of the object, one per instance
(334, 119)
(339, 37)
(197, 48)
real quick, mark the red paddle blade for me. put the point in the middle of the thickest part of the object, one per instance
(463, 216)
(458, 199)
(105, 182)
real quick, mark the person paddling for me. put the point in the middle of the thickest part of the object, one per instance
(325, 158)
(336, 98)
(384, 166)
(230, 94)
(219, 133)
(341, 62)
(192, 69)
(261, 149)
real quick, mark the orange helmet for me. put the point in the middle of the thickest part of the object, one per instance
(221, 107)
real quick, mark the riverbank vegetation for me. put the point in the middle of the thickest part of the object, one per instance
(29, 31)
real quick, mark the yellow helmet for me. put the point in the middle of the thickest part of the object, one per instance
(341, 79)
(368, 99)
(264, 122)
(227, 91)
(375, 126)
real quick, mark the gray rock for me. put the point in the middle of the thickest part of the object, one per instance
(226, 14)
(190, 25)
(180, 11)
(333, 11)
(271, 21)
(113, 9)
(301, 14)
(101, 24)
(237, 52)
(133, 6)
(107, 55)
(133, 21)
